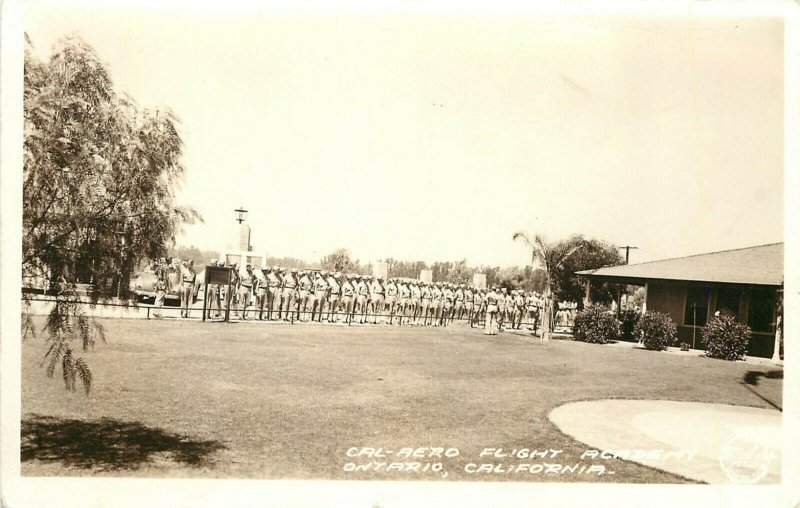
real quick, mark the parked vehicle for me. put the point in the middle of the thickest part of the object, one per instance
(143, 285)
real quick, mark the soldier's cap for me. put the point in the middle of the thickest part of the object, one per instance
(294, 270)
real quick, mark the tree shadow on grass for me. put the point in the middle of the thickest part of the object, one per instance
(106, 444)
(752, 377)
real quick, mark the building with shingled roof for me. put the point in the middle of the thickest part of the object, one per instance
(745, 283)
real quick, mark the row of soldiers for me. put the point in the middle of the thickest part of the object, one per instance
(274, 293)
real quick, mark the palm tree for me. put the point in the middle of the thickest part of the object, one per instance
(551, 258)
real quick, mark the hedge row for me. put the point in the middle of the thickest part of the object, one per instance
(724, 337)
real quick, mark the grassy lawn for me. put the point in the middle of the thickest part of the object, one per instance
(188, 399)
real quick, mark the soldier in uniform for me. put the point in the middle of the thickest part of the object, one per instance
(213, 295)
(492, 311)
(391, 298)
(305, 301)
(404, 300)
(246, 281)
(448, 299)
(501, 307)
(161, 285)
(348, 298)
(533, 310)
(320, 295)
(273, 291)
(233, 297)
(362, 295)
(469, 300)
(436, 300)
(478, 302)
(416, 295)
(289, 294)
(519, 300)
(334, 293)
(510, 308)
(458, 309)
(376, 298)
(260, 288)
(188, 276)
(425, 302)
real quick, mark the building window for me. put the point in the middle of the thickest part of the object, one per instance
(696, 306)
(728, 301)
(762, 310)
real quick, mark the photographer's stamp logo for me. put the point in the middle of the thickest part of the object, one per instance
(745, 461)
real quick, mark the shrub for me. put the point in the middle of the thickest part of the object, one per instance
(629, 319)
(685, 346)
(595, 325)
(656, 330)
(725, 338)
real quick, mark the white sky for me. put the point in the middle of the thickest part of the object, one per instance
(436, 136)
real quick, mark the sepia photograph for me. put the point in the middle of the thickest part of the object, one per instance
(491, 248)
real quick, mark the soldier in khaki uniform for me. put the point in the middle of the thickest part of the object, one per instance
(161, 285)
(458, 308)
(274, 283)
(213, 295)
(188, 277)
(436, 301)
(334, 294)
(404, 300)
(478, 302)
(305, 301)
(519, 301)
(362, 298)
(492, 311)
(424, 302)
(376, 299)
(416, 295)
(448, 300)
(320, 296)
(289, 293)
(391, 298)
(246, 280)
(261, 289)
(348, 298)
(469, 299)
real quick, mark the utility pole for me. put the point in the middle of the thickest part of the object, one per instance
(628, 249)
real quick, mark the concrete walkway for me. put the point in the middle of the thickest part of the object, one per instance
(712, 443)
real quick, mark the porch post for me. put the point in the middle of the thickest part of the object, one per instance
(776, 353)
(587, 299)
(644, 304)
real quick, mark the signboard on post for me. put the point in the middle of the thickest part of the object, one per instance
(479, 281)
(426, 276)
(222, 276)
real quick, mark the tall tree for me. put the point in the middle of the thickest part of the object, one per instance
(99, 179)
(590, 255)
(338, 261)
(550, 257)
